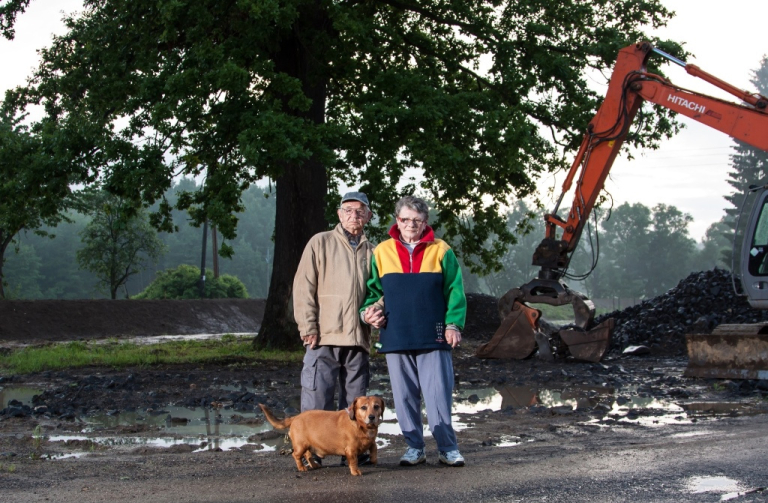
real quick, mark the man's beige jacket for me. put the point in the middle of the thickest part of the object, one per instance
(329, 288)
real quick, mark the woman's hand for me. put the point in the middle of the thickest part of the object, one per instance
(452, 337)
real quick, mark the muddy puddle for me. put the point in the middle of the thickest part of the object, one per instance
(728, 488)
(223, 428)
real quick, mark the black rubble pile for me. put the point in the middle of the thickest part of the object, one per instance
(697, 304)
(482, 316)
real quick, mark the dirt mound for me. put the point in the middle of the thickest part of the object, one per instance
(62, 320)
(697, 304)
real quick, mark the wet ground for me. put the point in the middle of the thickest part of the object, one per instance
(629, 428)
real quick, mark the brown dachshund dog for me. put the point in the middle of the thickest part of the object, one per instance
(347, 432)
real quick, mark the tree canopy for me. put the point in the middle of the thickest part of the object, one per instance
(477, 96)
(33, 189)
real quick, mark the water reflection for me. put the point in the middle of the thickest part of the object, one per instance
(502, 397)
(23, 394)
(199, 443)
(182, 420)
(717, 484)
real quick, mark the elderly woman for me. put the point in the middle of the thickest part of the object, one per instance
(420, 279)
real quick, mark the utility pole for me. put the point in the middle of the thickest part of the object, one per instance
(202, 261)
(215, 252)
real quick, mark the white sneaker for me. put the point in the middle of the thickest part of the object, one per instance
(451, 458)
(413, 457)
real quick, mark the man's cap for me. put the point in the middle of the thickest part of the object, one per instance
(355, 196)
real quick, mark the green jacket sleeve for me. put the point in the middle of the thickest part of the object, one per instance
(374, 291)
(453, 291)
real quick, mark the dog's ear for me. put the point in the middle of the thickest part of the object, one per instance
(351, 409)
(383, 403)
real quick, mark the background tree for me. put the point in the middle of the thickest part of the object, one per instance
(251, 247)
(716, 247)
(749, 166)
(60, 277)
(33, 190)
(25, 272)
(313, 93)
(118, 241)
(516, 268)
(670, 249)
(626, 248)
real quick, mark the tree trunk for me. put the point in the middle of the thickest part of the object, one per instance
(301, 189)
(300, 215)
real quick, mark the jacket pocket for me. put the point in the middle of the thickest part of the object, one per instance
(331, 314)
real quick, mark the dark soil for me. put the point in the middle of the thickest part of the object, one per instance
(147, 473)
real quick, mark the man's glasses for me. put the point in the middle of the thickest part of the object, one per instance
(351, 211)
(411, 221)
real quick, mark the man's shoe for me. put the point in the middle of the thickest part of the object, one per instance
(362, 459)
(318, 460)
(413, 457)
(451, 458)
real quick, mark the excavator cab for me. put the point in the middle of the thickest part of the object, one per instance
(754, 252)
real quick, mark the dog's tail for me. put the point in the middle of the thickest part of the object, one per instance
(275, 422)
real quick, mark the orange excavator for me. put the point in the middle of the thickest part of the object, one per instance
(734, 351)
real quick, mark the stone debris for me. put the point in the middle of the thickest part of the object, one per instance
(636, 350)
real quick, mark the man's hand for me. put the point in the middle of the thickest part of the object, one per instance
(309, 340)
(452, 337)
(374, 317)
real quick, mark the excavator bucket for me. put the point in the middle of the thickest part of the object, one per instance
(591, 345)
(521, 330)
(515, 336)
(729, 352)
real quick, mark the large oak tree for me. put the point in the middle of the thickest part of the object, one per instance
(479, 96)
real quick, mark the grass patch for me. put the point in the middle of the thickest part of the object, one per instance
(115, 354)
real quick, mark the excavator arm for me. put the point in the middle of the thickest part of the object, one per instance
(630, 85)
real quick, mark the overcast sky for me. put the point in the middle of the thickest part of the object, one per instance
(727, 38)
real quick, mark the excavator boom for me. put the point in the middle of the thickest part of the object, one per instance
(630, 85)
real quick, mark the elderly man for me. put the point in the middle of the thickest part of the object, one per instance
(328, 289)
